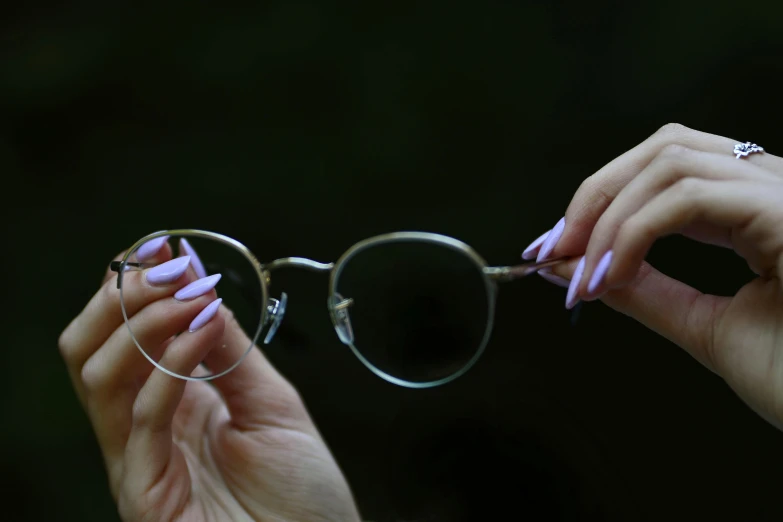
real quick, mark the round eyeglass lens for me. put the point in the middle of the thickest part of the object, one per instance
(417, 311)
(177, 304)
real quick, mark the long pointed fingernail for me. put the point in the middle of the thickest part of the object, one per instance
(551, 241)
(532, 249)
(554, 278)
(150, 248)
(198, 266)
(168, 272)
(197, 288)
(571, 297)
(600, 272)
(205, 316)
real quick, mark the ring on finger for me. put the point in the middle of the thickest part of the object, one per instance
(746, 149)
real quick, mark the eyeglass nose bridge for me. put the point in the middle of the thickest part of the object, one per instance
(275, 313)
(341, 319)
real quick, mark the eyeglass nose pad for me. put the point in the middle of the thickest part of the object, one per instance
(338, 309)
(275, 313)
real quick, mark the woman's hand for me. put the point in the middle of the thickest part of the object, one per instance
(241, 447)
(688, 182)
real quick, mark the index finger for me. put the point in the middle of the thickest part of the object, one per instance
(598, 191)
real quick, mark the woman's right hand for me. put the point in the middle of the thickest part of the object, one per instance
(689, 182)
(239, 447)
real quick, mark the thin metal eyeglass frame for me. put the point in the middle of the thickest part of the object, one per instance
(491, 275)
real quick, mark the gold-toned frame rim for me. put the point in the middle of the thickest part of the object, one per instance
(189, 232)
(425, 237)
(490, 274)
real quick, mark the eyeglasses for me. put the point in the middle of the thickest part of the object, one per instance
(416, 308)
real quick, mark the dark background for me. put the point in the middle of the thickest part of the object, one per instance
(302, 127)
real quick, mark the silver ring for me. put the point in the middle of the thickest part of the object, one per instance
(745, 149)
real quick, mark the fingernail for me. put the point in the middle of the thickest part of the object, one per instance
(532, 249)
(205, 315)
(600, 272)
(197, 288)
(571, 298)
(555, 279)
(198, 266)
(551, 241)
(168, 272)
(150, 248)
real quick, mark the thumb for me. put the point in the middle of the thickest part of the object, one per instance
(676, 311)
(255, 393)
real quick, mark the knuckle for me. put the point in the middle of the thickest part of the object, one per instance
(594, 188)
(92, 376)
(669, 162)
(673, 152)
(688, 188)
(141, 415)
(588, 184)
(634, 230)
(65, 343)
(671, 131)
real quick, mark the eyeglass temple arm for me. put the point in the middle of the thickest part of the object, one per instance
(503, 274)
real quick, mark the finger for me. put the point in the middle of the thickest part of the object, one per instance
(674, 310)
(100, 317)
(96, 322)
(104, 313)
(732, 204)
(119, 361)
(115, 373)
(672, 165)
(599, 190)
(254, 392)
(149, 448)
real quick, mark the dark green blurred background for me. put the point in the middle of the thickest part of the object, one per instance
(302, 127)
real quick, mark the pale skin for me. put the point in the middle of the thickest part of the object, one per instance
(688, 182)
(243, 447)
(240, 447)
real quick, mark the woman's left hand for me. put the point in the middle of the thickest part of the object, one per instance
(688, 182)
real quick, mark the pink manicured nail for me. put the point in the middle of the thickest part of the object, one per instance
(150, 248)
(197, 288)
(532, 249)
(168, 272)
(571, 297)
(600, 272)
(206, 315)
(551, 241)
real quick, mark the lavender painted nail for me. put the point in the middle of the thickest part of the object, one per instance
(205, 315)
(554, 278)
(532, 249)
(600, 272)
(150, 248)
(168, 272)
(551, 241)
(571, 298)
(198, 266)
(197, 288)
